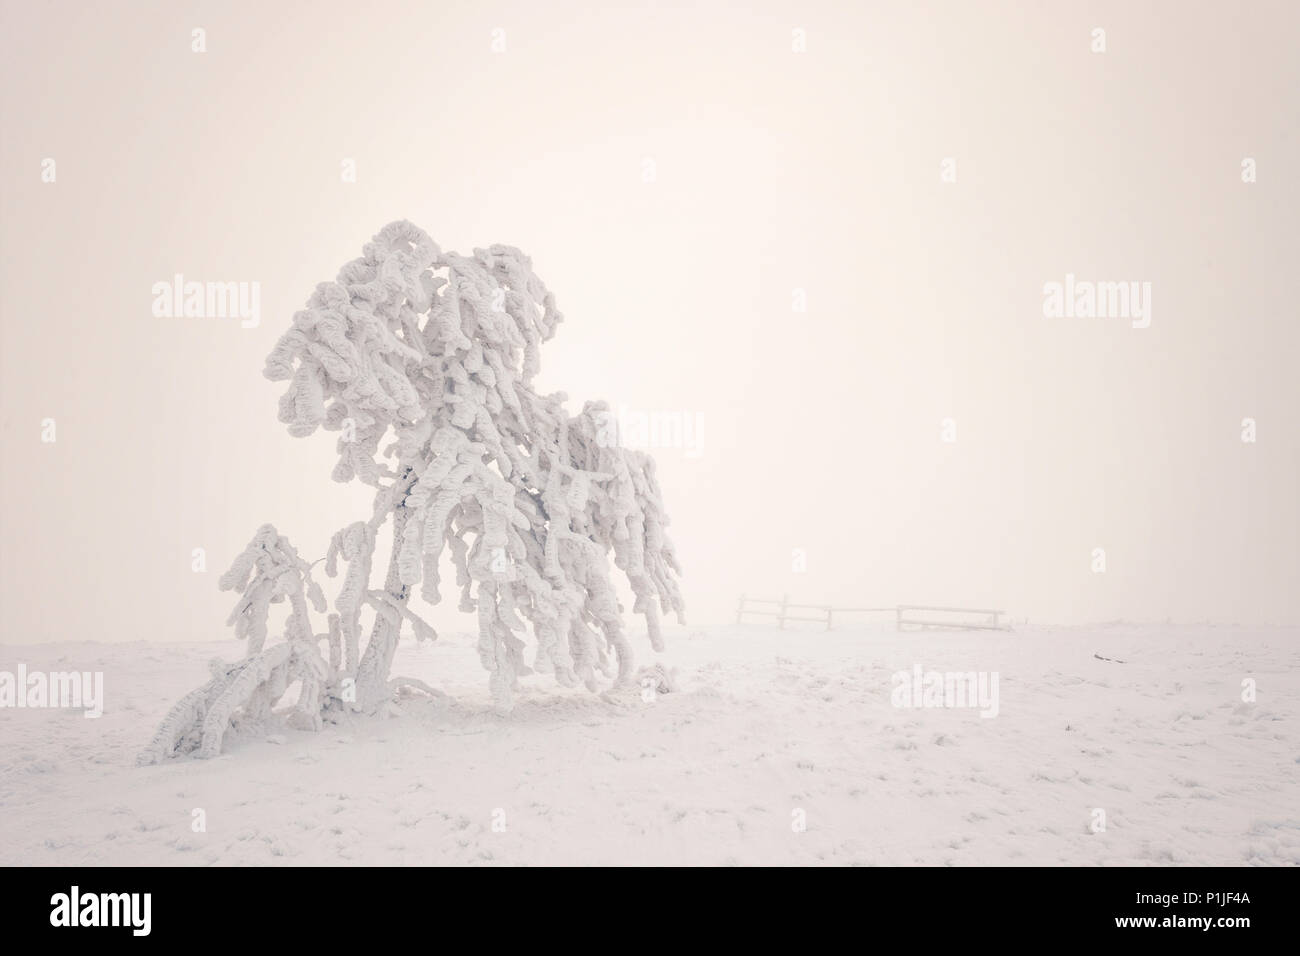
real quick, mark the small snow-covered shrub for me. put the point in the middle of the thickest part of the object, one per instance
(434, 353)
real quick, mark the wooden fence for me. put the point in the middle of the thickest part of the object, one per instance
(905, 615)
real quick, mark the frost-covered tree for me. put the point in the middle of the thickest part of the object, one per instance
(423, 361)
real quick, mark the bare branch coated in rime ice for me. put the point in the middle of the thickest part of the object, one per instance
(435, 353)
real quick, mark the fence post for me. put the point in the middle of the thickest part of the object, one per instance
(740, 610)
(898, 617)
(829, 612)
(785, 599)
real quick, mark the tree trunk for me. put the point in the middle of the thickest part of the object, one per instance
(377, 660)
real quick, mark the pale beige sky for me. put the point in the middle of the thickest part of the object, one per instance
(773, 171)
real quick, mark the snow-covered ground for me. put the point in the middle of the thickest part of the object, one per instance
(766, 729)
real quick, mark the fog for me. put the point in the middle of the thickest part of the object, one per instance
(832, 266)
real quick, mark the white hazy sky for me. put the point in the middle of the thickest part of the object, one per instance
(773, 171)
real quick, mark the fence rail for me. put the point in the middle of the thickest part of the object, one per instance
(905, 615)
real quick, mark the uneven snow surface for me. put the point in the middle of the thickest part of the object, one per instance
(764, 724)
